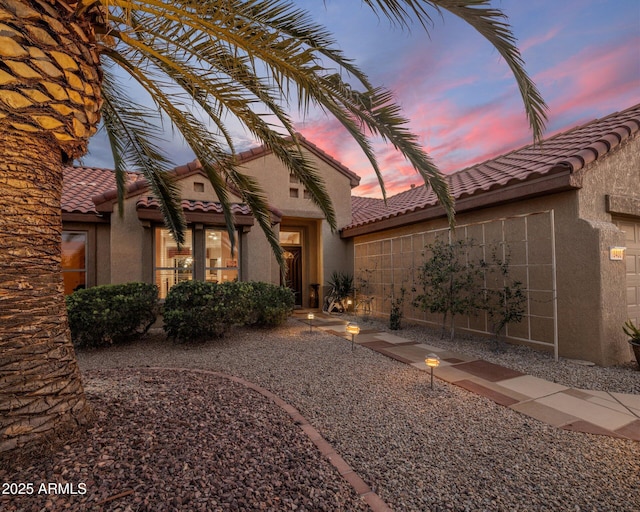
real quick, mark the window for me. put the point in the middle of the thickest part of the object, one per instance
(220, 264)
(74, 260)
(214, 260)
(293, 192)
(289, 237)
(172, 265)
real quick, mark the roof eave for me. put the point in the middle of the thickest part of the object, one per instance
(559, 179)
(92, 217)
(155, 215)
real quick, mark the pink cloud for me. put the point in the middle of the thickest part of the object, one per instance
(594, 82)
(540, 39)
(606, 78)
(455, 138)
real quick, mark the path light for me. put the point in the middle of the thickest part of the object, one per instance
(310, 317)
(349, 303)
(353, 329)
(432, 361)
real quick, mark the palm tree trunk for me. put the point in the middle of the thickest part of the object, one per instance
(41, 393)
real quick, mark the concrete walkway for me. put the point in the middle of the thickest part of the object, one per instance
(594, 412)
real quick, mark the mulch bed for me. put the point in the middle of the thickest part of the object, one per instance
(178, 440)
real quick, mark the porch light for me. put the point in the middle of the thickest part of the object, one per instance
(310, 317)
(353, 329)
(432, 361)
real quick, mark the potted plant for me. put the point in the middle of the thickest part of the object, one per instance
(633, 332)
(341, 288)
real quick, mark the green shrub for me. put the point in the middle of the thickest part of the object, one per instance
(196, 310)
(112, 313)
(271, 304)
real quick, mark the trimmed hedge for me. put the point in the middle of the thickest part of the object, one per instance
(196, 310)
(113, 313)
(271, 304)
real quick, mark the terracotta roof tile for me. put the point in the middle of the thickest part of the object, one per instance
(365, 206)
(86, 188)
(572, 150)
(81, 184)
(191, 205)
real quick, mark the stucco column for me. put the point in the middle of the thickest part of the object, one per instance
(147, 256)
(198, 252)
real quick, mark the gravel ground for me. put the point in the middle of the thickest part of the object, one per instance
(419, 449)
(169, 440)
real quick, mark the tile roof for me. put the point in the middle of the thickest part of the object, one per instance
(92, 190)
(569, 151)
(363, 208)
(81, 184)
(85, 188)
(191, 205)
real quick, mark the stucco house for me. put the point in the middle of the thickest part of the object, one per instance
(101, 246)
(568, 212)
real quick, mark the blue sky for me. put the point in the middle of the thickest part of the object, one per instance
(584, 56)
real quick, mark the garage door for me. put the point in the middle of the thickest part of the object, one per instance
(632, 259)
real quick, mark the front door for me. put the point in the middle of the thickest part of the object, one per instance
(632, 259)
(293, 257)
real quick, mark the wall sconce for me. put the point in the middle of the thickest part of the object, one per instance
(310, 317)
(432, 361)
(353, 329)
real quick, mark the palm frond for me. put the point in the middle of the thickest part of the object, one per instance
(250, 59)
(492, 24)
(131, 132)
(228, 96)
(377, 112)
(401, 12)
(207, 148)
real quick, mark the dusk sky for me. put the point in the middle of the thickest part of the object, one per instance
(463, 103)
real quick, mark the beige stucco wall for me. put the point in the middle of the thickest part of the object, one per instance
(524, 227)
(591, 296)
(325, 251)
(601, 306)
(103, 254)
(127, 248)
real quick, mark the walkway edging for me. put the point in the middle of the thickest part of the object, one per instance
(363, 490)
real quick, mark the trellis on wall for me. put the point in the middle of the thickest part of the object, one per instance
(383, 266)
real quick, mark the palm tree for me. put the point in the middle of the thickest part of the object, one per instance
(240, 58)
